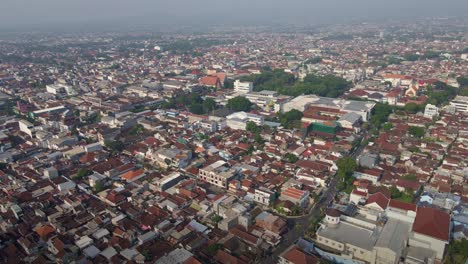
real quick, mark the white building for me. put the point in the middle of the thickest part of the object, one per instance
(460, 103)
(239, 120)
(363, 238)
(431, 110)
(243, 87)
(263, 196)
(301, 103)
(217, 173)
(59, 89)
(263, 99)
(26, 127)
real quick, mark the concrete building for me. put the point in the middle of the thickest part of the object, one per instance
(26, 127)
(460, 103)
(431, 110)
(263, 99)
(239, 120)
(364, 237)
(301, 103)
(243, 87)
(298, 197)
(59, 89)
(431, 230)
(218, 173)
(263, 196)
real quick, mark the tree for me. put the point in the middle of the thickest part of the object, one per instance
(380, 114)
(463, 81)
(252, 127)
(287, 84)
(313, 60)
(412, 108)
(216, 218)
(98, 187)
(196, 109)
(387, 127)
(239, 103)
(115, 146)
(395, 193)
(259, 139)
(296, 210)
(416, 131)
(411, 57)
(289, 119)
(213, 248)
(291, 158)
(457, 252)
(346, 166)
(410, 177)
(209, 105)
(82, 173)
(137, 129)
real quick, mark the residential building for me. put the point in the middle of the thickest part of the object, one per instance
(217, 173)
(298, 197)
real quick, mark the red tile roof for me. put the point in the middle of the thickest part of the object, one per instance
(210, 80)
(130, 175)
(432, 222)
(379, 199)
(402, 205)
(297, 256)
(293, 193)
(356, 192)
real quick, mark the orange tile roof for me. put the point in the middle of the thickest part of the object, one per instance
(44, 231)
(132, 174)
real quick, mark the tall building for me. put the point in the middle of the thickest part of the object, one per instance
(460, 103)
(243, 87)
(431, 110)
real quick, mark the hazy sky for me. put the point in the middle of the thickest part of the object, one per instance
(44, 13)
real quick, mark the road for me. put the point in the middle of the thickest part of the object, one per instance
(298, 226)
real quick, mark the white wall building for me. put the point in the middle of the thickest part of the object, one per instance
(239, 120)
(243, 87)
(431, 110)
(59, 89)
(460, 103)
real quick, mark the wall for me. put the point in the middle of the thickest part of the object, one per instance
(437, 245)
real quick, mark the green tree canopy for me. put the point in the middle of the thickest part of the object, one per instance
(239, 103)
(346, 166)
(288, 119)
(291, 158)
(413, 108)
(196, 109)
(380, 114)
(82, 173)
(115, 146)
(209, 105)
(252, 127)
(416, 131)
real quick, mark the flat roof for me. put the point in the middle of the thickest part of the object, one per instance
(348, 233)
(394, 234)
